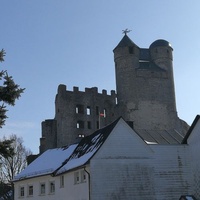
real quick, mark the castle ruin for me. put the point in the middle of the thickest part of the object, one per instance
(144, 97)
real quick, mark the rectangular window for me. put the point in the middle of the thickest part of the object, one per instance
(76, 178)
(52, 187)
(83, 176)
(88, 110)
(97, 124)
(89, 125)
(97, 110)
(42, 188)
(62, 181)
(80, 124)
(30, 190)
(79, 109)
(21, 191)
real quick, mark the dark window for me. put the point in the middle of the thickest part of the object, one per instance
(80, 124)
(97, 124)
(80, 109)
(131, 50)
(97, 110)
(89, 125)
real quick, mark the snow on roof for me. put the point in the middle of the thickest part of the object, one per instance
(57, 161)
(47, 163)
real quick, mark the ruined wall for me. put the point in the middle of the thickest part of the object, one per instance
(77, 112)
(145, 97)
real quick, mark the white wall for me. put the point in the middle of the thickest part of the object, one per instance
(70, 191)
(126, 168)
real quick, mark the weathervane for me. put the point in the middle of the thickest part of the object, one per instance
(126, 31)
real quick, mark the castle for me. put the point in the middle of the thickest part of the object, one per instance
(144, 97)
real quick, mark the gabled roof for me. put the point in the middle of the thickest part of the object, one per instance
(190, 129)
(56, 161)
(47, 163)
(86, 149)
(125, 42)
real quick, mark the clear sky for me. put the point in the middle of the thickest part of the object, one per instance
(52, 42)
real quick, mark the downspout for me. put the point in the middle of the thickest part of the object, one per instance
(88, 182)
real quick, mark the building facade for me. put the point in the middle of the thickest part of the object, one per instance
(144, 97)
(115, 163)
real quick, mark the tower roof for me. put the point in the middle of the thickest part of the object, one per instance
(125, 41)
(160, 42)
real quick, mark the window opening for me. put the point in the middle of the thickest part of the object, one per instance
(89, 125)
(42, 188)
(131, 50)
(62, 181)
(80, 124)
(22, 191)
(79, 109)
(97, 110)
(30, 190)
(76, 178)
(88, 110)
(97, 124)
(52, 187)
(83, 176)
(81, 135)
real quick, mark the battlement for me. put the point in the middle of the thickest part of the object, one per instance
(94, 91)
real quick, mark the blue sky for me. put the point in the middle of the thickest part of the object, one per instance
(51, 42)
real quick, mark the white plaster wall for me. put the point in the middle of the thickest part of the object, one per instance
(70, 191)
(194, 147)
(126, 168)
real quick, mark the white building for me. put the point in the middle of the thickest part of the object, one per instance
(115, 163)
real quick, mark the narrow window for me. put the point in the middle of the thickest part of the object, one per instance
(30, 190)
(89, 125)
(79, 109)
(104, 112)
(42, 188)
(21, 192)
(76, 178)
(83, 176)
(88, 110)
(97, 110)
(97, 124)
(52, 187)
(80, 124)
(62, 181)
(131, 50)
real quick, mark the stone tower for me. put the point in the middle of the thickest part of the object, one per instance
(145, 84)
(145, 98)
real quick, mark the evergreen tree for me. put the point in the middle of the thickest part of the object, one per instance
(9, 92)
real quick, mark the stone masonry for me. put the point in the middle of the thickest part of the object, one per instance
(145, 98)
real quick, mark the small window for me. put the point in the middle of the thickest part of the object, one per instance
(52, 187)
(80, 124)
(79, 109)
(97, 110)
(83, 176)
(30, 190)
(131, 50)
(62, 181)
(76, 178)
(42, 188)
(21, 191)
(97, 124)
(89, 125)
(81, 135)
(88, 110)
